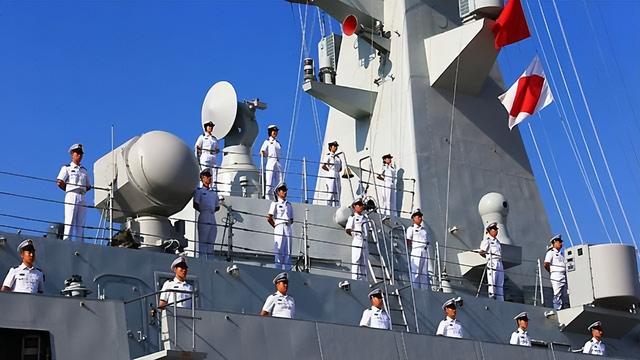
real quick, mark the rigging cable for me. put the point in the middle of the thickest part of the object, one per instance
(575, 114)
(593, 127)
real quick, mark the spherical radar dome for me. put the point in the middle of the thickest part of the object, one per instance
(164, 168)
(493, 202)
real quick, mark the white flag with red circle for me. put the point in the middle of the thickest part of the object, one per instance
(531, 93)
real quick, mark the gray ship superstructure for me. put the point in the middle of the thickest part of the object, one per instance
(416, 79)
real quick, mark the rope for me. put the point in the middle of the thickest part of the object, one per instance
(575, 114)
(593, 127)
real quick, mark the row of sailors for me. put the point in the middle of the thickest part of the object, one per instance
(281, 304)
(26, 278)
(74, 180)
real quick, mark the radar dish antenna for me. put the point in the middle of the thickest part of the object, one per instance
(220, 106)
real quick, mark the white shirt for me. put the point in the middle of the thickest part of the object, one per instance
(593, 347)
(76, 177)
(492, 247)
(556, 259)
(333, 163)
(207, 143)
(278, 305)
(23, 279)
(450, 328)
(418, 236)
(375, 318)
(282, 212)
(520, 337)
(271, 147)
(359, 226)
(389, 174)
(176, 284)
(206, 198)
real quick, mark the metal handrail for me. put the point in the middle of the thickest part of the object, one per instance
(406, 251)
(175, 311)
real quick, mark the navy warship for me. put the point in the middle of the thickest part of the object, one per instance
(417, 79)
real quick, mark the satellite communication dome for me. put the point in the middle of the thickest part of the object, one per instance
(220, 106)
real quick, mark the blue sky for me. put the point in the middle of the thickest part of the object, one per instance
(69, 70)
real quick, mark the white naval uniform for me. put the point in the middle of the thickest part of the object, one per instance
(282, 213)
(207, 146)
(375, 318)
(557, 275)
(273, 169)
(389, 191)
(594, 347)
(520, 337)
(23, 279)
(77, 183)
(420, 261)
(278, 305)
(495, 270)
(169, 296)
(332, 181)
(450, 328)
(207, 200)
(359, 226)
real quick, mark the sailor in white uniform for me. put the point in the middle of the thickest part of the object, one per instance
(270, 149)
(595, 346)
(280, 304)
(358, 228)
(180, 268)
(333, 166)
(419, 242)
(74, 180)
(280, 217)
(207, 149)
(490, 248)
(205, 201)
(520, 336)
(25, 278)
(450, 327)
(555, 264)
(388, 175)
(375, 316)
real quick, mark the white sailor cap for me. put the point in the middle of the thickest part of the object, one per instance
(272, 127)
(416, 212)
(26, 245)
(493, 225)
(283, 276)
(595, 325)
(375, 292)
(449, 303)
(76, 147)
(179, 261)
(282, 185)
(357, 201)
(523, 315)
(555, 238)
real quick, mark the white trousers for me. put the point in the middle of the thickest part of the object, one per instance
(273, 176)
(389, 200)
(208, 161)
(282, 246)
(74, 215)
(495, 278)
(420, 268)
(333, 191)
(559, 285)
(207, 232)
(359, 253)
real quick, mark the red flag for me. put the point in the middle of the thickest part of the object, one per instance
(511, 25)
(529, 94)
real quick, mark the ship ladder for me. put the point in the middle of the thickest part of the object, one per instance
(376, 261)
(395, 308)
